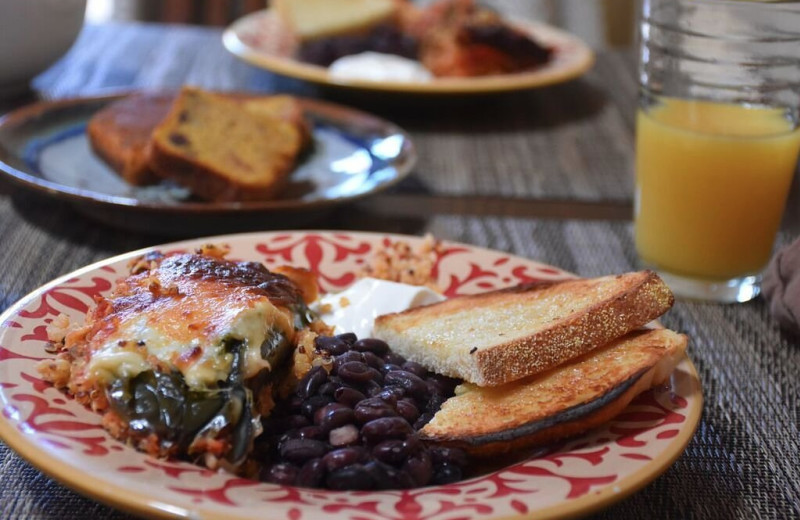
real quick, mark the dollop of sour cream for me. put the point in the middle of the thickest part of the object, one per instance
(355, 308)
(376, 66)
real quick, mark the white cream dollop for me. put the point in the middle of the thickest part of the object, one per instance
(376, 66)
(355, 308)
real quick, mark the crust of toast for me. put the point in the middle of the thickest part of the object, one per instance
(563, 402)
(120, 134)
(500, 336)
(222, 150)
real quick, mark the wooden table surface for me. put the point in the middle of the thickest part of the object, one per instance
(545, 174)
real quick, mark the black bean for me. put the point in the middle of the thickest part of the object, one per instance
(385, 428)
(443, 454)
(373, 408)
(383, 476)
(331, 344)
(348, 396)
(388, 367)
(375, 345)
(350, 477)
(312, 474)
(329, 387)
(434, 402)
(314, 403)
(394, 358)
(348, 337)
(420, 468)
(311, 382)
(415, 368)
(446, 473)
(301, 450)
(343, 436)
(342, 457)
(297, 421)
(356, 372)
(333, 415)
(352, 355)
(412, 445)
(373, 360)
(310, 432)
(412, 384)
(392, 451)
(424, 419)
(442, 384)
(281, 473)
(407, 409)
(294, 403)
(371, 388)
(391, 394)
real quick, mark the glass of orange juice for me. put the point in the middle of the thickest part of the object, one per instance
(717, 140)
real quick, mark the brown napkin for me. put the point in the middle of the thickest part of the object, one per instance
(781, 286)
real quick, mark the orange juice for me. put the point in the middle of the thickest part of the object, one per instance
(711, 184)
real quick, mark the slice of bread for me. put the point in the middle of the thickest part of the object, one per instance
(120, 134)
(222, 150)
(501, 336)
(315, 19)
(568, 400)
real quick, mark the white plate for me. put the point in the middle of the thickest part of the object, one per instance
(262, 40)
(66, 441)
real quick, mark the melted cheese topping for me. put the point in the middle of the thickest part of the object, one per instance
(185, 326)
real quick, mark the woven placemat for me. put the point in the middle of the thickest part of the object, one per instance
(744, 461)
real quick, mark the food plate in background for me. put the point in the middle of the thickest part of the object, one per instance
(262, 39)
(577, 477)
(44, 146)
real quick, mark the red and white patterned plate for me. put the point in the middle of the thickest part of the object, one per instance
(66, 441)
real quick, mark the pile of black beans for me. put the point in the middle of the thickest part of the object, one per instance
(384, 39)
(354, 425)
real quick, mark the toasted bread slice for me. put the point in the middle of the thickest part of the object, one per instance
(565, 401)
(120, 134)
(314, 19)
(223, 151)
(501, 336)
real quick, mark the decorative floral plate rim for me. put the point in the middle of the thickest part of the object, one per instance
(260, 39)
(575, 477)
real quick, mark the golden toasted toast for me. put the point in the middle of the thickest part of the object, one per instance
(570, 399)
(500, 336)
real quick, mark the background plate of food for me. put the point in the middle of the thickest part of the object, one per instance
(194, 162)
(453, 46)
(73, 444)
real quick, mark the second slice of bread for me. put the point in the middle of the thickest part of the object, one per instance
(499, 336)
(226, 149)
(568, 400)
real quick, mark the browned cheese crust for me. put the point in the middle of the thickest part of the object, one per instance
(563, 402)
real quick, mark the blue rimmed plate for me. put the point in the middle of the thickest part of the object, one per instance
(44, 146)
